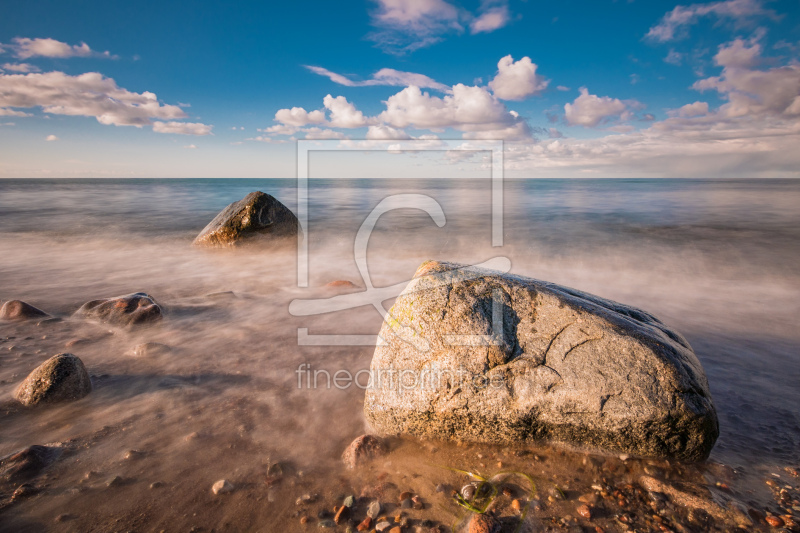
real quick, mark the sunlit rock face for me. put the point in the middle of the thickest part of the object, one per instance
(128, 310)
(257, 218)
(476, 355)
(59, 379)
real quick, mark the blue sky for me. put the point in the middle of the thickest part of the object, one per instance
(575, 89)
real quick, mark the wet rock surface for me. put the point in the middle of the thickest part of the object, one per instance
(362, 449)
(27, 464)
(127, 310)
(257, 215)
(19, 310)
(477, 355)
(61, 378)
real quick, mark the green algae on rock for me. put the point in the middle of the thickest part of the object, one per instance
(257, 215)
(61, 378)
(476, 355)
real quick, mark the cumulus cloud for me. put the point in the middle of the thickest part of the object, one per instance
(673, 24)
(89, 95)
(323, 133)
(674, 58)
(51, 138)
(749, 91)
(382, 132)
(182, 128)
(691, 110)
(343, 113)
(385, 76)
(468, 109)
(589, 109)
(25, 48)
(490, 20)
(297, 116)
(21, 67)
(13, 113)
(517, 80)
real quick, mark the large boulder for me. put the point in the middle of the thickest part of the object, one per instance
(131, 309)
(476, 355)
(257, 215)
(19, 310)
(61, 378)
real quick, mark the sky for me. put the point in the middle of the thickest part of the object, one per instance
(592, 88)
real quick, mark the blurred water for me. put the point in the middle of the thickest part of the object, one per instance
(715, 259)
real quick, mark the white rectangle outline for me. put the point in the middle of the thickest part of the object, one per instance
(413, 145)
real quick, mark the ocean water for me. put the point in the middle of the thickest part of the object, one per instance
(715, 259)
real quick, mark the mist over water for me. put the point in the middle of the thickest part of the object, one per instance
(717, 260)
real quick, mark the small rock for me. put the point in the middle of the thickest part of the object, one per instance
(382, 526)
(131, 309)
(64, 517)
(306, 499)
(61, 378)
(304, 519)
(133, 454)
(349, 502)
(374, 509)
(156, 484)
(406, 504)
(365, 524)
(341, 514)
(326, 523)
(74, 342)
(23, 491)
(114, 481)
(222, 487)
(774, 521)
(405, 495)
(516, 505)
(468, 491)
(19, 310)
(396, 529)
(150, 349)
(483, 523)
(441, 487)
(589, 498)
(585, 511)
(362, 448)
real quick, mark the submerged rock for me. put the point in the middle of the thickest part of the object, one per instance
(476, 355)
(256, 215)
(363, 448)
(136, 308)
(19, 310)
(61, 378)
(149, 349)
(28, 463)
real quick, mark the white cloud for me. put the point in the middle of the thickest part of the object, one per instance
(51, 138)
(382, 132)
(468, 109)
(672, 25)
(191, 147)
(589, 109)
(492, 19)
(89, 95)
(563, 88)
(385, 76)
(25, 48)
(297, 116)
(21, 67)
(280, 129)
(12, 113)
(673, 57)
(750, 92)
(182, 128)
(407, 25)
(343, 113)
(322, 133)
(517, 80)
(691, 110)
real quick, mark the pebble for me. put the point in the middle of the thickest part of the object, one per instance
(64, 517)
(114, 481)
(468, 491)
(363, 448)
(483, 523)
(327, 523)
(156, 484)
(374, 509)
(306, 498)
(341, 514)
(365, 524)
(304, 519)
(516, 505)
(406, 504)
(222, 487)
(585, 511)
(774, 521)
(589, 498)
(395, 530)
(382, 526)
(350, 501)
(23, 491)
(440, 488)
(406, 495)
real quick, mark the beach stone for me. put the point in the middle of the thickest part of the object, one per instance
(564, 367)
(363, 448)
(149, 349)
(374, 509)
(61, 378)
(256, 215)
(19, 310)
(223, 486)
(127, 310)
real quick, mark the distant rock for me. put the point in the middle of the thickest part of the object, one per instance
(362, 448)
(149, 349)
(223, 486)
(61, 378)
(476, 355)
(137, 308)
(19, 310)
(257, 215)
